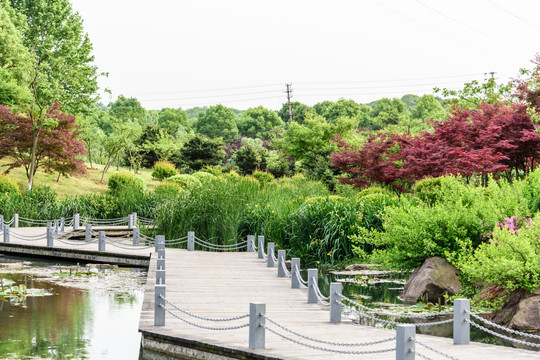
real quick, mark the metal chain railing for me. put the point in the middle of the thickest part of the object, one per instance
(339, 351)
(301, 281)
(497, 326)
(127, 246)
(203, 326)
(284, 268)
(432, 349)
(202, 317)
(491, 332)
(326, 341)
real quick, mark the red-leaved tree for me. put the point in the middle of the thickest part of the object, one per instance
(55, 145)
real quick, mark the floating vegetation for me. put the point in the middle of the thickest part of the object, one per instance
(17, 293)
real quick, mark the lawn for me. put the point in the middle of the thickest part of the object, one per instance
(75, 185)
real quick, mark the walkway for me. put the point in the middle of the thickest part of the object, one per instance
(222, 285)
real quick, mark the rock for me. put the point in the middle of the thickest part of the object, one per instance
(527, 316)
(288, 264)
(11, 265)
(102, 266)
(358, 267)
(435, 278)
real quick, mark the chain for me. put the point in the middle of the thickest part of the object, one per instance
(361, 314)
(318, 291)
(324, 341)
(422, 355)
(274, 258)
(434, 323)
(485, 321)
(298, 275)
(503, 336)
(201, 317)
(284, 268)
(128, 247)
(435, 350)
(382, 313)
(202, 326)
(326, 349)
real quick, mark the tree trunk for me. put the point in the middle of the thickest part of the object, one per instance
(58, 178)
(109, 162)
(118, 163)
(32, 169)
(90, 157)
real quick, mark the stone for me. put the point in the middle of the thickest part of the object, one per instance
(358, 267)
(527, 316)
(102, 266)
(435, 278)
(288, 264)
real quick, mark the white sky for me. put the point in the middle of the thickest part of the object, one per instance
(241, 53)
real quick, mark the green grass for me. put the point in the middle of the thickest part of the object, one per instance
(75, 185)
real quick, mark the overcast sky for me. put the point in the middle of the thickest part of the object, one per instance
(241, 53)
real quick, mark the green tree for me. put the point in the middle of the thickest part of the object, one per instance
(63, 72)
(474, 93)
(258, 121)
(300, 112)
(389, 112)
(331, 111)
(127, 109)
(172, 120)
(247, 159)
(15, 62)
(199, 152)
(410, 101)
(217, 121)
(428, 107)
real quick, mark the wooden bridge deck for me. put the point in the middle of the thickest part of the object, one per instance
(222, 285)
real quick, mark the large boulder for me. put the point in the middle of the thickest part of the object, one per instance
(521, 311)
(435, 278)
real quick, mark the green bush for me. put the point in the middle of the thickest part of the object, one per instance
(510, 259)
(163, 170)
(7, 185)
(205, 177)
(187, 182)
(214, 170)
(122, 182)
(263, 177)
(167, 190)
(428, 188)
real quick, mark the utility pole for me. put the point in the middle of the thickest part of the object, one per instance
(492, 73)
(289, 91)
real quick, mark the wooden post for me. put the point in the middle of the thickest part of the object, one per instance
(256, 330)
(313, 278)
(462, 327)
(405, 335)
(295, 264)
(281, 263)
(335, 302)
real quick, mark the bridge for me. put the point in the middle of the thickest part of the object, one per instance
(242, 302)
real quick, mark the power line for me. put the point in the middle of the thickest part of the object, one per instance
(493, 3)
(392, 80)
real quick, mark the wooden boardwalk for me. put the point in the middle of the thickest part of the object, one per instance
(220, 285)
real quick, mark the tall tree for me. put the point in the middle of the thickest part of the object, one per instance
(127, 109)
(300, 112)
(55, 150)
(258, 121)
(389, 112)
(217, 121)
(63, 72)
(171, 120)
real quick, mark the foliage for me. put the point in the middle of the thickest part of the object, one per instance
(475, 93)
(167, 191)
(258, 121)
(124, 181)
(299, 112)
(172, 120)
(214, 170)
(332, 111)
(127, 109)
(263, 177)
(511, 258)
(54, 146)
(217, 121)
(205, 177)
(7, 185)
(187, 182)
(248, 159)
(163, 170)
(277, 164)
(197, 153)
(527, 90)
(389, 111)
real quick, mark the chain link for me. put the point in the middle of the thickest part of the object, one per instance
(284, 268)
(202, 317)
(422, 355)
(302, 281)
(503, 336)
(511, 331)
(382, 313)
(361, 314)
(326, 349)
(435, 350)
(202, 326)
(325, 341)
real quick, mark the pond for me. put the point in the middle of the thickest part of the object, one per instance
(90, 314)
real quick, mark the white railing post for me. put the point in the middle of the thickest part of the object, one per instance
(250, 243)
(76, 222)
(191, 240)
(335, 302)
(160, 276)
(6, 233)
(1, 222)
(160, 246)
(62, 224)
(313, 278)
(462, 327)
(134, 219)
(101, 241)
(56, 226)
(256, 322)
(159, 303)
(281, 263)
(295, 264)
(270, 255)
(136, 236)
(260, 242)
(130, 221)
(15, 220)
(50, 240)
(88, 233)
(405, 335)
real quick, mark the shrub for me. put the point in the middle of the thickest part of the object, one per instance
(163, 170)
(214, 170)
(122, 182)
(187, 182)
(510, 259)
(263, 177)
(428, 188)
(205, 177)
(167, 190)
(7, 185)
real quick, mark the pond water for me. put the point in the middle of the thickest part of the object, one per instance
(95, 317)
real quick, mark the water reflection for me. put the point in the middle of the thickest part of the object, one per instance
(71, 323)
